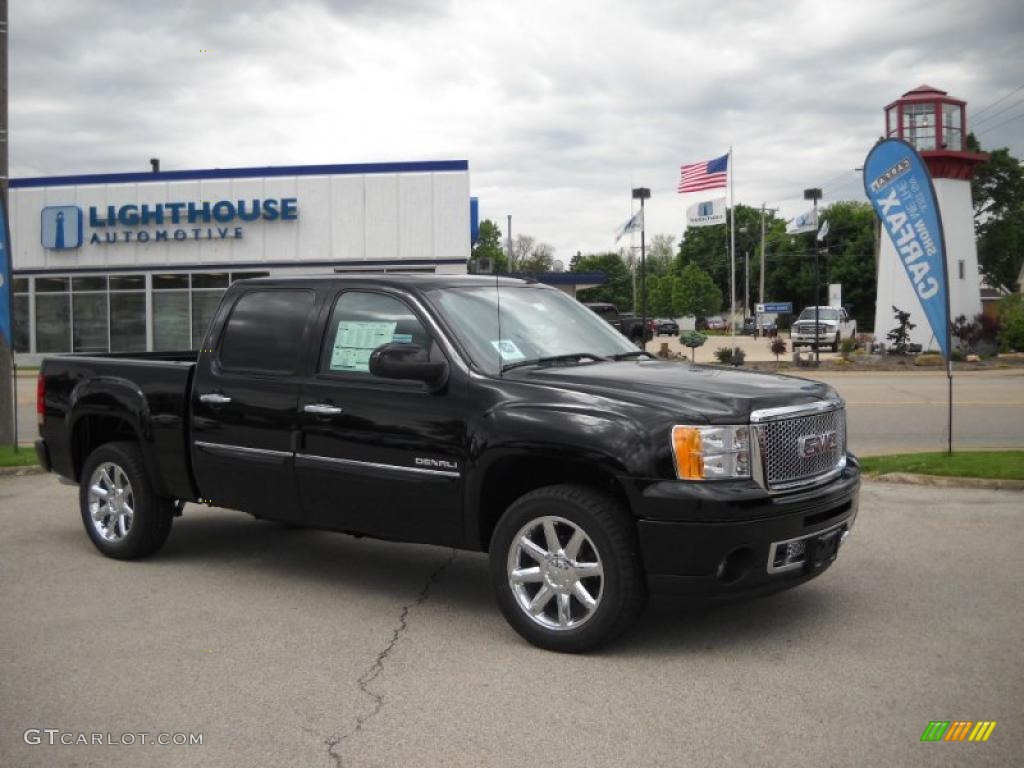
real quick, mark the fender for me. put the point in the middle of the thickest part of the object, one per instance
(576, 433)
(122, 399)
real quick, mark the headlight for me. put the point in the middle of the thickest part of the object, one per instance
(711, 453)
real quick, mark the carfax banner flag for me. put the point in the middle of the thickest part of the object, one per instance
(900, 188)
(5, 282)
(707, 213)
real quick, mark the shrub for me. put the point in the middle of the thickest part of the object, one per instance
(730, 355)
(692, 339)
(1011, 315)
(846, 347)
(778, 347)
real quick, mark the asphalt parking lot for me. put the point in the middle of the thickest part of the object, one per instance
(292, 647)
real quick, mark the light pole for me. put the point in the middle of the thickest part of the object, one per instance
(641, 194)
(815, 195)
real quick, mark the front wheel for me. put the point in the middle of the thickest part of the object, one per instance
(566, 569)
(835, 343)
(122, 516)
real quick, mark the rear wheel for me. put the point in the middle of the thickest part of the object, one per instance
(565, 568)
(122, 516)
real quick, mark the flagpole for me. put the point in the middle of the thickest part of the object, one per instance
(732, 256)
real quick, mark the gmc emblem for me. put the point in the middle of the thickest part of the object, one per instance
(815, 445)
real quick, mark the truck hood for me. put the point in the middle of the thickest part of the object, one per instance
(699, 392)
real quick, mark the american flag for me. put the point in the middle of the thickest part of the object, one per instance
(711, 174)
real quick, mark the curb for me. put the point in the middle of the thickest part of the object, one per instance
(21, 471)
(942, 481)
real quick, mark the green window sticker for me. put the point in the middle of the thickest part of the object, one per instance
(354, 342)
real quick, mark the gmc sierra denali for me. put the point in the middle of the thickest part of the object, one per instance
(486, 414)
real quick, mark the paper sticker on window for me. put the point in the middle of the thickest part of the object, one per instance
(508, 350)
(354, 342)
(401, 338)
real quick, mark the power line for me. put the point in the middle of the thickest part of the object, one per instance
(999, 100)
(1000, 125)
(997, 114)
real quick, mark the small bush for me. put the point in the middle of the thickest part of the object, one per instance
(730, 355)
(1011, 315)
(778, 347)
(846, 347)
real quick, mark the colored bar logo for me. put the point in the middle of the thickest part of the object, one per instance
(958, 730)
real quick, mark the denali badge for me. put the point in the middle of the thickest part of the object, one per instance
(814, 445)
(436, 463)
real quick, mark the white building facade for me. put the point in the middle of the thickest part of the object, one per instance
(138, 261)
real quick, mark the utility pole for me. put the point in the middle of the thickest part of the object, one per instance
(815, 195)
(510, 267)
(8, 432)
(641, 194)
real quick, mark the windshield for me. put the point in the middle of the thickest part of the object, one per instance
(824, 313)
(536, 323)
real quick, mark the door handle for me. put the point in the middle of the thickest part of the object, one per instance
(322, 409)
(214, 398)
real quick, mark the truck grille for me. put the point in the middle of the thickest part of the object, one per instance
(798, 449)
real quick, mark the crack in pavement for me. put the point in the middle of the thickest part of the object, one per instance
(377, 668)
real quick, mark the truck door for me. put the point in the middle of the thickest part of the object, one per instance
(380, 456)
(244, 400)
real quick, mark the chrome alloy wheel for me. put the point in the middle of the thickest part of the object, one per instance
(555, 573)
(111, 502)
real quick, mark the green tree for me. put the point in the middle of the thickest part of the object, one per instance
(998, 192)
(660, 254)
(695, 293)
(529, 256)
(618, 286)
(488, 245)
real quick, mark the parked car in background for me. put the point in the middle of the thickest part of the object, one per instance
(714, 323)
(628, 324)
(834, 325)
(666, 328)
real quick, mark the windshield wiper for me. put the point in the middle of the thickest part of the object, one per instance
(634, 353)
(572, 357)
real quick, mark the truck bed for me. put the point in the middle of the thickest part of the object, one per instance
(153, 387)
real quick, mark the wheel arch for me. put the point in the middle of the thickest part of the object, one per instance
(511, 476)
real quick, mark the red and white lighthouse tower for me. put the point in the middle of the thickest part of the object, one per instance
(936, 125)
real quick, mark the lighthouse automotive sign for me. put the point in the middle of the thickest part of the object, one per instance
(899, 187)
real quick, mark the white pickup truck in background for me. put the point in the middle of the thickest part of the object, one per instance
(834, 325)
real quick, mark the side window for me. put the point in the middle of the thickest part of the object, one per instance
(361, 322)
(264, 331)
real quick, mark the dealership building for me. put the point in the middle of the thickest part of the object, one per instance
(139, 261)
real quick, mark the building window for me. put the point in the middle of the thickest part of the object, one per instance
(892, 119)
(960, 267)
(89, 314)
(171, 313)
(207, 290)
(127, 313)
(53, 314)
(919, 125)
(952, 130)
(22, 335)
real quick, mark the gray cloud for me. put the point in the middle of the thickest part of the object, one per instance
(558, 108)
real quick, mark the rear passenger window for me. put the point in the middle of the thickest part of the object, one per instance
(264, 331)
(360, 323)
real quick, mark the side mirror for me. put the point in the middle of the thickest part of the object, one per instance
(407, 361)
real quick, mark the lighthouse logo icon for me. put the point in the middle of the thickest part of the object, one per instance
(62, 227)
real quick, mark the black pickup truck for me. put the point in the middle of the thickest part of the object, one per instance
(626, 323)
(484, 414)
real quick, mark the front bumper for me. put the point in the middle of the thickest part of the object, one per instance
(715, 541)
(825, 337)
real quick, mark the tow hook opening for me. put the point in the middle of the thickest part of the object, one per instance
(735, 565)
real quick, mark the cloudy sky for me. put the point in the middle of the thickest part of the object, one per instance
(560, 108)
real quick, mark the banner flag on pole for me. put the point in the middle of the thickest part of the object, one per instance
(635, 224)
(711, 174)
(5, 282)
(823, 232)
(706, 213)
(805, 222)
(899, 186)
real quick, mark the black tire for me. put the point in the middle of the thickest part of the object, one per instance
(835, 344)
(151, 516)
(622, 591)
